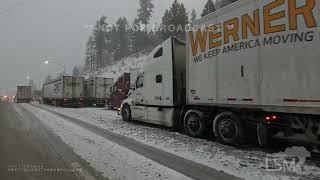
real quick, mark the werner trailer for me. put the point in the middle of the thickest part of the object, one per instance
(249, 68)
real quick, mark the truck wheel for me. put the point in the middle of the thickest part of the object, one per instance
(126, 113)
(228, 128)
(195, 125)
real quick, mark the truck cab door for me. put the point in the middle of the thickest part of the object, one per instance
(139, 110)
(153, 79)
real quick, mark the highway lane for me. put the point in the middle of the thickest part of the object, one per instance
(29, 151)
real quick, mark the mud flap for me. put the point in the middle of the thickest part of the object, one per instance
(263, 134)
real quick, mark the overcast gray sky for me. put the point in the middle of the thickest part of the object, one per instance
(31, 30)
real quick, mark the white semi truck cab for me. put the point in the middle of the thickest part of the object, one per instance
(160, 85)
(251, 68)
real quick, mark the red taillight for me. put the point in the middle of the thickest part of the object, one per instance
(270, 118)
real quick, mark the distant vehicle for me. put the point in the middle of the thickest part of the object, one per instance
(120, 91)
(9, 98)
(64, 91)
(23, 94)
(36, 98)
(6, 98)
(240, 76)
(97, 90)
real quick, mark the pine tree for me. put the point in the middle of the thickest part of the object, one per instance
(154, 39)
(145, 11)
(193, 16)
(123, 37)
(48, 79)
(174, 21)
(136, 37)
(223, 3)
(100, 35)
(120, 39)
(76, 71)
(90, 62)
(139, 35)
(140, 38)
(209, 8)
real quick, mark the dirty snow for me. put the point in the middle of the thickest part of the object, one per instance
(247, 164)
(116, 162)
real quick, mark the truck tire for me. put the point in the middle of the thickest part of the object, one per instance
(228, 128)
(195, 124)
(126, 113)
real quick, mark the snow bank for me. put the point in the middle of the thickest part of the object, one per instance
(118, 68)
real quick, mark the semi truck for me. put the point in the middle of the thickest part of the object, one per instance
(23, 94)
(250, 69)
(97, 90)
(64, 91)
(120, 90)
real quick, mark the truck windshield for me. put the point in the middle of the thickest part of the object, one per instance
(140, 80)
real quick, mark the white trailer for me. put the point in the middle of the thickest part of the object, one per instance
(249, 68)
(64, 91)
(98, 90)
(23, 94)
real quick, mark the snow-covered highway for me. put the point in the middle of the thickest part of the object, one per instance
(129, 150)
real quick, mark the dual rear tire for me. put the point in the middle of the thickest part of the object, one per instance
(195, 124)
(226, 126)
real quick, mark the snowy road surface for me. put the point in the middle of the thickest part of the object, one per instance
(184, 166)
(29, 151)
(122, 150)
(114, 161)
